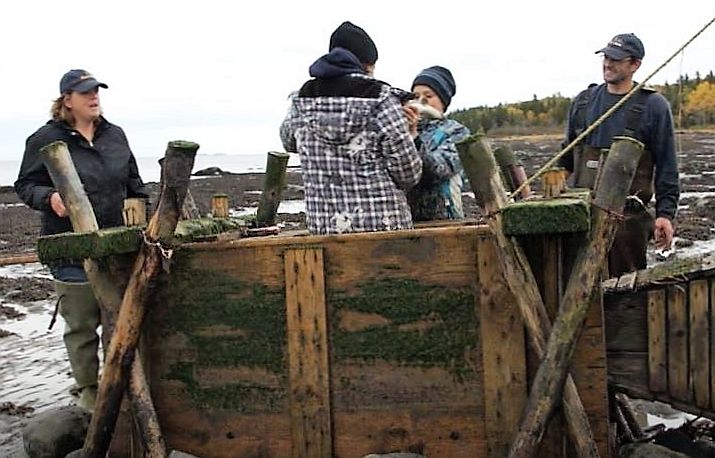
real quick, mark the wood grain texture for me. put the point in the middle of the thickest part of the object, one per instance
(502, 334)
(678, 368)
(657, 341)
(309, 373)
(712, 343)
(699, 342)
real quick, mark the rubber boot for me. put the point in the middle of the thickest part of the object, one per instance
(80, 310)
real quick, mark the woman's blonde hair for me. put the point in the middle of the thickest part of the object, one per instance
(60, 112)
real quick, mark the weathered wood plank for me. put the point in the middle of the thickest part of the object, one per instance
(712, 342)
(657, 341)
(630, 369)
(677, 268)
(549, 277)
(678, 342)
(502, 334)
(308, 354)
(699, 342)
(626, 318)
(589, 371)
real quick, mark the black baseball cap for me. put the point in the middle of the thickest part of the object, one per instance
(79, 81)
(622, 46)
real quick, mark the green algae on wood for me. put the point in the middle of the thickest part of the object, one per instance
(428, 325)
(81, 245)
(547, 216)
(239, 397)
(76, 246)
(202, 298)
(189, 229)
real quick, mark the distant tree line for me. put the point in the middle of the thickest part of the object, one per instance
(691, 99)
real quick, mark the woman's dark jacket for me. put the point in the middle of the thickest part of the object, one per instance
(106, 167)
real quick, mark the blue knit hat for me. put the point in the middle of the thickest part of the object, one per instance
(440, 80)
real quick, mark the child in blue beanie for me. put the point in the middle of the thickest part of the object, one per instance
(438, 195)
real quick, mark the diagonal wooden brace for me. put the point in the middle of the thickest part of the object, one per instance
(59, 163)
(120, 355)
(616, 178)
(480, 165)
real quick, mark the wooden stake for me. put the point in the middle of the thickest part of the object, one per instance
(176, 172)
(59, 163)
(617, 175)
(273, 185)
(512, 172)
(554, 182)
(134, 211)
(478, 161)
(18, 259)
(219, 206)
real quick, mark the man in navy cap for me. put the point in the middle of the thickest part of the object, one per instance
(647, 117)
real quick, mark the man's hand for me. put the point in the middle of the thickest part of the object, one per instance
(57, 205)
(663, 233)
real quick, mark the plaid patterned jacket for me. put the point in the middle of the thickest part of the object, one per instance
(357, 157)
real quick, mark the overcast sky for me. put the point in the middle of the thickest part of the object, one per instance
(219, 73)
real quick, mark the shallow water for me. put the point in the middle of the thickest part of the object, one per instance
(35, 370)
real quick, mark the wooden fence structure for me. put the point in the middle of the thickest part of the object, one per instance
(341, 346)
(660, 334)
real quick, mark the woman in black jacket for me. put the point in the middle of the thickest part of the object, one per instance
(108, 171)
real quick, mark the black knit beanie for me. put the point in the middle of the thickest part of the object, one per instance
(355, 40)
(440, 80)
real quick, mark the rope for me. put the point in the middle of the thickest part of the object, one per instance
(611, 213)
(607, 114)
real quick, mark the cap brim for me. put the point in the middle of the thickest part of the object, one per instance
(613, 53)
(88, 85)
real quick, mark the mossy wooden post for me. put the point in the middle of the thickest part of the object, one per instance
(64, 176)
(275, 179)
(219, 206)
(134, 211)
(59, 163)
(616, 177)
(189, 209)
(481, 168)
(176, 173)
(554, 182)
(512, 172)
